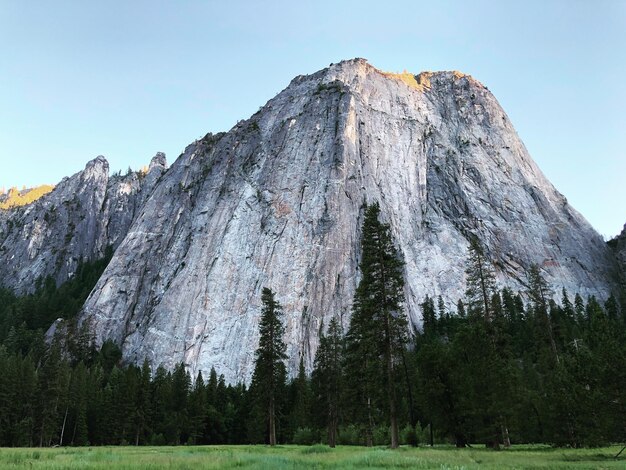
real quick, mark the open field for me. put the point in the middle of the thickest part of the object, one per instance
(296, 457)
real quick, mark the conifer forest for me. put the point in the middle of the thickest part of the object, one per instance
(497, 368)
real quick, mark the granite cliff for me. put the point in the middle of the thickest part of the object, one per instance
(278, 201)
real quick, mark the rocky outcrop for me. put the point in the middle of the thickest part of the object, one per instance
(83, 215)
(278, 202)
(618, 245)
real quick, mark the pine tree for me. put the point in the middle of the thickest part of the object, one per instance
(579, 308)
(439, 390)
(24, 401)
(460, 309)
(78, 401)
(143, 405)
(488, 376)
(612, 308)
(197, 410)
(540, 294)
(429, 318)
(361, 364)
(181, 384)
(161, 387)
(481, 282)
(214, 428)
(301, 401)
(378, 320)
(269, 377)
(326, 379)
(441, 309)
(53, 380)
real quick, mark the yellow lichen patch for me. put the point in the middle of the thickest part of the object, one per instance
(408, 78)
(421, 81)
(15, 198)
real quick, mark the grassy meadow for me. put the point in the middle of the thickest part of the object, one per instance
(297, 457)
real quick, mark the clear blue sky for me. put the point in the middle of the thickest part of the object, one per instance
(126, 79)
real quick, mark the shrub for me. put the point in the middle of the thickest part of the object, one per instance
(158, 440)
(317, 449)
(382, 436)
(408, 436)
(305, 436)
(349, 436)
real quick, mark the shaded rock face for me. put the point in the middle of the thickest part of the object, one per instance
(83, 215)
(278, 202)
(618, 244)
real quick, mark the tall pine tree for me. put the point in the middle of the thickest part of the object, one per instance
(378, 325)
(481, 281)
(269, 377)
(326, 379)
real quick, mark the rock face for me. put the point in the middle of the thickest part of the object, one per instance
(83, 215)
(278, 202)
(618, 244)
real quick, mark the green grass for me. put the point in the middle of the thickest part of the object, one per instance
(297, 457)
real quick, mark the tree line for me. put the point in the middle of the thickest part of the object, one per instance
(499, 367)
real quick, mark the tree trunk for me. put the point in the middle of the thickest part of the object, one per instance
(548, 322)
(393, 418)
(272, 423)
(391, 390)
(272, 417)
(332, 432)
(74, 432)
(539, 421)
(408, 385)
(432, 440)
(332, 427)
(460, 440)
(571, 433)
(395, 440)
(494, 443)
(484, 289)
(369, 431)
(63, 427)
(506, 439)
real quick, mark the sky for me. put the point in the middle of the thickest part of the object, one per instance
(126, 79)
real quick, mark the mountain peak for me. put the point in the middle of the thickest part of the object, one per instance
(100, 160)
(96, 169)
(277, 202)
(159, 160)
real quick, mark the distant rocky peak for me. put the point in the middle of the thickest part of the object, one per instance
(159, 160)
(96, 169)
(99, 162)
